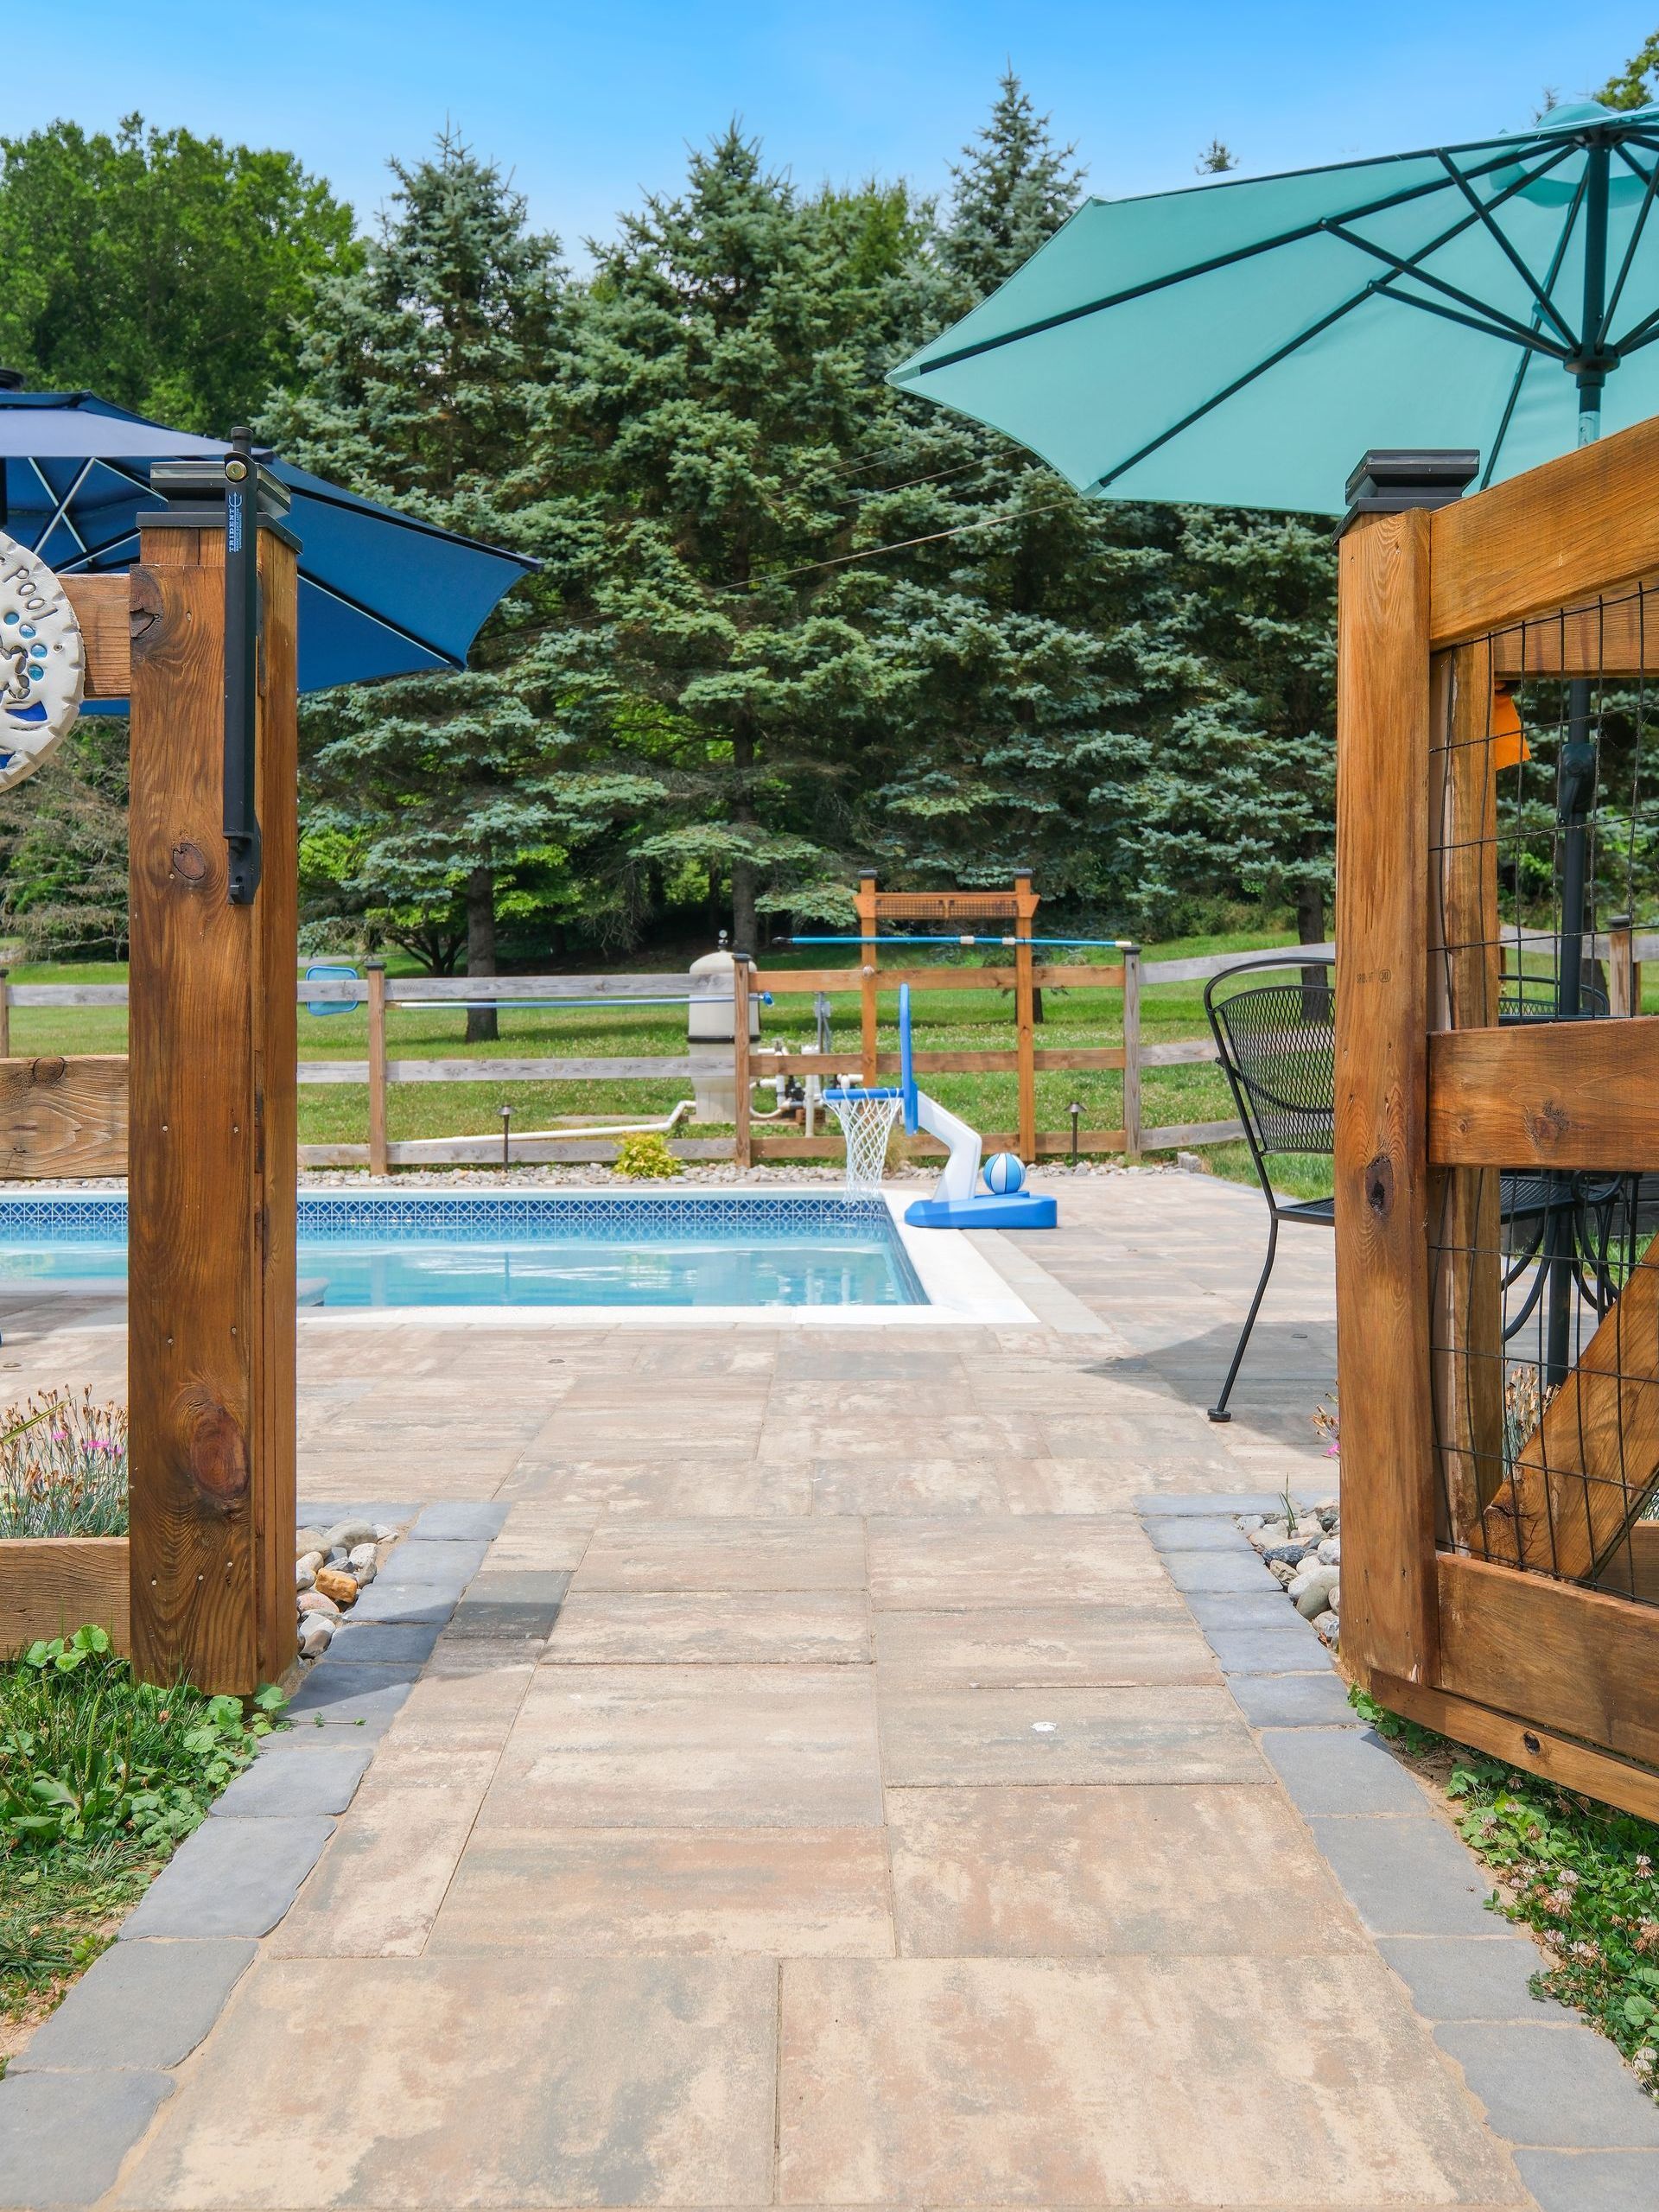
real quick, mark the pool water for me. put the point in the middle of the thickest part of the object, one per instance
(432, 1249)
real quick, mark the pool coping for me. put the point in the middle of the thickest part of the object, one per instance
(962, 1282)
(1583, 2134)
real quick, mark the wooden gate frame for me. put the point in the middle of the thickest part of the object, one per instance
(1555, 1678)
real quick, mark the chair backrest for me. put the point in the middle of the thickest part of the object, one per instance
(1277, 1043)
(1537, 998)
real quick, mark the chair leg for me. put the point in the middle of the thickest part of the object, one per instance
(1218, 1411)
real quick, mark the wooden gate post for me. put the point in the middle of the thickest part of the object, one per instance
(379, 1157)
(1025, 1039)
(213, 1175)
(867, 988)
(1132, 1052)
(742, 1126)
(1389, 1617)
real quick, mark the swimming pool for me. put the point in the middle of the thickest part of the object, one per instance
(429, 1248)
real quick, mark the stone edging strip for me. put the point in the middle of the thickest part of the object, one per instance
(74, 2102)
(1584, 2136)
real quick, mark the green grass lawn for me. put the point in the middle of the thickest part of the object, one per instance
(945, 1020)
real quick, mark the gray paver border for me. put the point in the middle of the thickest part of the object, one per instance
(1579, 2153)
(69, 2117)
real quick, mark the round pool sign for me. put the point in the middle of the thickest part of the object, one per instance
(42, 671)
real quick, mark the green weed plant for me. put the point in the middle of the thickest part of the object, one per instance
(89, 1755)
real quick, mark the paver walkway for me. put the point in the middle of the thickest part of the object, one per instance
(874, 1829)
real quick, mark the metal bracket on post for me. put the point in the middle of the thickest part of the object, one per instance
(237, 494)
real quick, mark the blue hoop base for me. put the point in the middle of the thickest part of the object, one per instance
(1015, 1210)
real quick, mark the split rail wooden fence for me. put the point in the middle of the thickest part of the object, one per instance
(66, 1115)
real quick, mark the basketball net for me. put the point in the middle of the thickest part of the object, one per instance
(865, 1121)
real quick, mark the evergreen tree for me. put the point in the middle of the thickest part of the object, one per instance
(1136, 701)
(723, 375)
(1022, 635)
(161, 270)
(1239, 790)
(428, 799)
(1013, 189)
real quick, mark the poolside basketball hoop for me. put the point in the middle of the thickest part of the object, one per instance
(867, 1114)
(866, 1118)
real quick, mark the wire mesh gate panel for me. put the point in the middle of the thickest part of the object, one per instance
(1496, 1131)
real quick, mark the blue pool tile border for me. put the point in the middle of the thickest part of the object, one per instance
(99, 1219)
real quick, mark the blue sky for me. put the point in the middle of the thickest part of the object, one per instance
(589, 104)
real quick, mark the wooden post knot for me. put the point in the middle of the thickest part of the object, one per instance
(218, 1456)
(47, 1069)
(189, 862)
(143, 611)
(1379, 1186)
(1549, 1124)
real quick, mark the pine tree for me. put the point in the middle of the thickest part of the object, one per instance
(1135, 700)
(722, 373)
(1022, 639)
(1013, 190)
(435, 795)
(1240, 791)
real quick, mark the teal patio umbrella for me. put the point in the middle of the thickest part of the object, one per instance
(1242, 343)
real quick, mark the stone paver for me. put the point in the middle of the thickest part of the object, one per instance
(1472, 1978)
(795, 1892)
(63, 2136)
(691, 1747)
(998, 2081)
(231, 1877)
(323, 1780)
(498, 2081)
(1591, 2181)
(142, 2006)
(1062, 1872)
(1544, 2083)
(1407, 1876)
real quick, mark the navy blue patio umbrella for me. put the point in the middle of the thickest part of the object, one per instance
(380, 593)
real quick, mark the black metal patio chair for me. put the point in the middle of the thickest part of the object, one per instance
(1277, 1043)
(1277, 1046)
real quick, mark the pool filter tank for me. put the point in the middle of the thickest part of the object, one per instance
(708, 1034)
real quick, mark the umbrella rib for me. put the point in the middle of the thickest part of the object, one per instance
(59, 514)
(1220, 399)
(1527, 360)
(372, 511)
(1513, 335)
(1507, 248)
(95, 552)
(1497, 322)
(1248, 253)
(1651, 182)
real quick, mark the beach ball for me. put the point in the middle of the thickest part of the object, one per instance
(1003, 1173)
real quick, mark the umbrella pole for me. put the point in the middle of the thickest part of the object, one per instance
(1575, 788)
